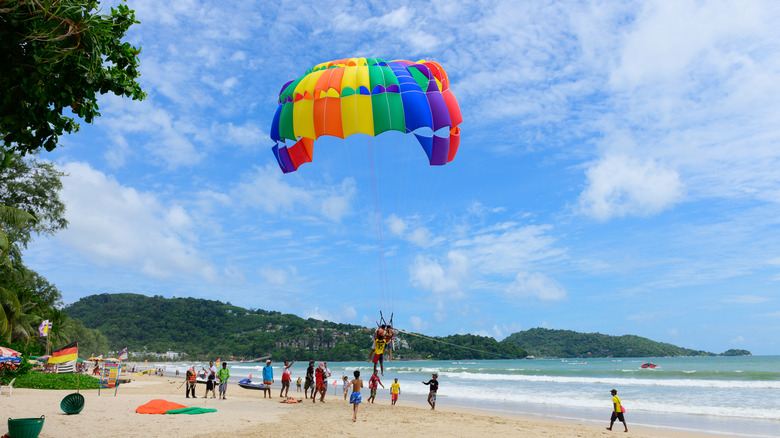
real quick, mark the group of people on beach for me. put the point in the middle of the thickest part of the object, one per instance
(316, 380)
(214, 377)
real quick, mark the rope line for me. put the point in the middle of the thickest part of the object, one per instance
(455, 345)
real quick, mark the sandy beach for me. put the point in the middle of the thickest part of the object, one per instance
(246, 414)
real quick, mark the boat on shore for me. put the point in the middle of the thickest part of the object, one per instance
(248, 384)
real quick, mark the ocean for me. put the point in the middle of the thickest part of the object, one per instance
(737, 396)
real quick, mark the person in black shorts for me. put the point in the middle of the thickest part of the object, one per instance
(309, 380)
(617, 411)
(434, 384)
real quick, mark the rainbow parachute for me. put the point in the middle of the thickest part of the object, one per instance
(367, 96)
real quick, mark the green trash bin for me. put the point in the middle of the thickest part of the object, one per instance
(72, 403)
(25, 427)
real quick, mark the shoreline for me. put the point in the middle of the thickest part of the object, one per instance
(245, 412)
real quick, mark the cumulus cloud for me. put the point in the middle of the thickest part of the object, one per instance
(417, 324)
(115, 224)
(619, 185)
(264, 189)
(536, 285)
(429, 274)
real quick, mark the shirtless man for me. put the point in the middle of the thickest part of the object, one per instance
(355, 398)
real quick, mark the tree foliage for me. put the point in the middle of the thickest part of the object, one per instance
(566, 343)
(58, 56)
(31, 187)
(206, 328)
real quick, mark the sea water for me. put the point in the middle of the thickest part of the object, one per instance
(737, 396)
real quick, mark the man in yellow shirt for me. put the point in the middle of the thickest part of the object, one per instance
(395, 389)
(617, 411)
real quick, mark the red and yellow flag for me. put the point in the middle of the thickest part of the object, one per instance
(65, 354)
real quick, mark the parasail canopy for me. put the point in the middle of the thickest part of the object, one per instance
(366, 96)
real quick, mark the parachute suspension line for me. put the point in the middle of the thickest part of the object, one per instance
(433, 192)
(378, 213)
(366, 300)
(455, 345)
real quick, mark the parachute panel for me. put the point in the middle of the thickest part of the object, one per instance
(368, 96)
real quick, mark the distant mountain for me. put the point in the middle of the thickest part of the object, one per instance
(209, 329)
(541, 342)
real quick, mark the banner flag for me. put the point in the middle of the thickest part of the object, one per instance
(123, 354)
(44, 328)
(67, 367)
(65, 354)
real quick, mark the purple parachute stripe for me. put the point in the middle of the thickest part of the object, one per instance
(441, 148)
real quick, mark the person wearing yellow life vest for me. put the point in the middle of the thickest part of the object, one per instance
(379, 350)
(191, 380)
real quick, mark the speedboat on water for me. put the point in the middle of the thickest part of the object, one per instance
(649, 365)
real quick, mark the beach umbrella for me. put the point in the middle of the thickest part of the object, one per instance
(9, 362)
(111, 359)
(12, 359)
(5, 351)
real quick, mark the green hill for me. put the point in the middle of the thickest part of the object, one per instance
(206, 329)
(542, 342)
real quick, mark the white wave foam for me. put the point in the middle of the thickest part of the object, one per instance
(748, 384)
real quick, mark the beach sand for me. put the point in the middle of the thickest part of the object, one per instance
(246, 414)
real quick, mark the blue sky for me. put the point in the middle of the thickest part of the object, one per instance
(619, 171)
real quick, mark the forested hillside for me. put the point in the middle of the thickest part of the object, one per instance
(205, 328)
(542, 342)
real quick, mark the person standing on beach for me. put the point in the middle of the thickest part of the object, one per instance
(617, 411)
(268, 378)
(223, 375)
(298, 384)
(372, 385)
(309, 380)
(286, 379)
(395, 390)
(191, 382)
(356, 396)
(321, 377)
(211, 381)
(434, 384)
(345, 382)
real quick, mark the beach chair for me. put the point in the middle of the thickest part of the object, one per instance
(9, 387)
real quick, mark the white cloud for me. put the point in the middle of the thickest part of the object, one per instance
(248, 134)
(671, 39)
(264, 188)
(738, 340)
(620, 186)
(345, 314)
(114, 224)
(746, 299)
(277, 276)
(417, 324)
(536, 285)
(428, 274)
(507, 247)
(397, 225)
(421, 237)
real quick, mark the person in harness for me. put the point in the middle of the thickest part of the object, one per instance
(191, 380)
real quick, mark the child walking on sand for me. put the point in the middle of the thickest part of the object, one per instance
(356, 397)
(395, 389)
